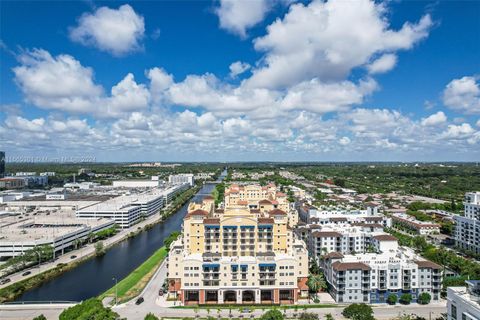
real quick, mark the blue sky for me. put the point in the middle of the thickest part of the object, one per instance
(251, 80)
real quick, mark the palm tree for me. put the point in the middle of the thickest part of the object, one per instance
(316, 283)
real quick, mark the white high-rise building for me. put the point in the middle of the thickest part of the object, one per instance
(467, 229)
(463, 303)
(181, 178)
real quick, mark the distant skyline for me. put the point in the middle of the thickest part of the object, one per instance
(225, 81)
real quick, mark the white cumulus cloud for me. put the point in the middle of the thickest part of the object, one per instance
(238, 67)
(435, 119)
(59, 82)
(127, 95)
(463, 95)
(237, 16)
(305, 43)
(383, 64)
(117, 31)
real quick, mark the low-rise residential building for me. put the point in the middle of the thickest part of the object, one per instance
(238, 254)
(298, 192)
(467, 227)
(372, 277)
(342, 238)
(340, 215)
(463, 303)
(421, 227)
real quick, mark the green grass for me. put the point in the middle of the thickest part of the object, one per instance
(137, 277)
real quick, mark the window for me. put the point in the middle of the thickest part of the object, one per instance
(453, 311)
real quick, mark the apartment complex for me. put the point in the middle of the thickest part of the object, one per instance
(260, 197)
(341, 238)
(401, 220)
(244, 253)
(463, 303)
(340, 215)
(372, 277)
(467, 228)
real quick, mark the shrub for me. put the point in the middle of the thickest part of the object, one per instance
(308, 316)
(406, 298)
(424, 298)
(88, 309)
(358, 311)
(392, 299)
(150, 316)
(40, 317)
(273, 314)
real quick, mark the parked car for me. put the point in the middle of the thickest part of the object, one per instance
(26, 273)
(73, 257)
(139, 301)
(6, 280)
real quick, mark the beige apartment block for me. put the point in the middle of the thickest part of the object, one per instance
(244, 253)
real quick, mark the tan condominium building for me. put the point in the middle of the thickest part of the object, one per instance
(244, 253)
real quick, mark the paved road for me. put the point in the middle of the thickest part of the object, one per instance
(28, 312)
(133, 312)
(381, 312)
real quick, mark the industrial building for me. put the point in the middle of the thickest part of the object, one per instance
(181, 178)
(127, 210)
(60, 231)
(153, 183)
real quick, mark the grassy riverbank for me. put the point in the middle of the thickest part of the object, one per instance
(133, 284)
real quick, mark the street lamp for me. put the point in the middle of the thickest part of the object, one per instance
(116, 292)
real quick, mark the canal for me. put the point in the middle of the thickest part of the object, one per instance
(95, 275)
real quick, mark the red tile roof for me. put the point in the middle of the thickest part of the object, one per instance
(385, 237)
(198, 212)
(344, 266)
(325, 234)
(277, 212)
(427, 264)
